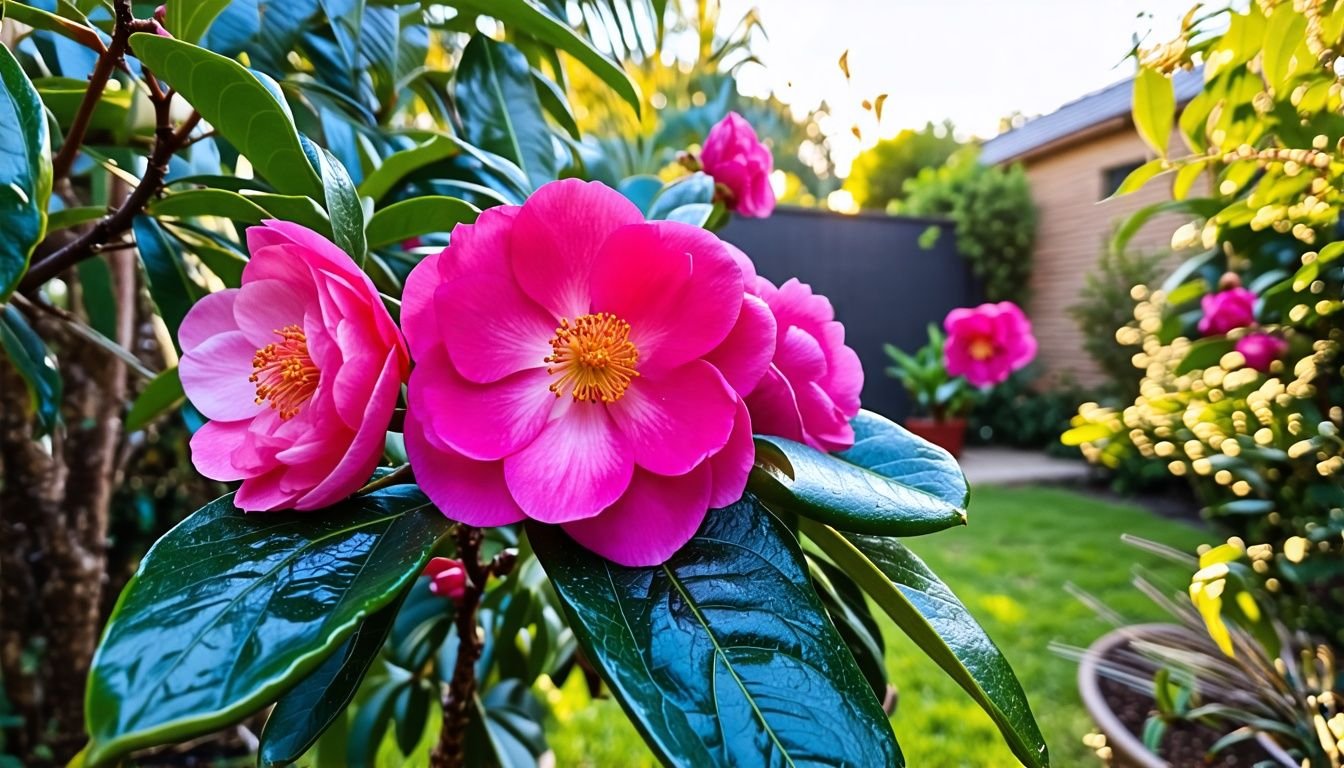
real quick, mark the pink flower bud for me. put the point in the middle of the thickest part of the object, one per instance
(1261, 350)
(739, 162)
(448, 578)
(1227, 310)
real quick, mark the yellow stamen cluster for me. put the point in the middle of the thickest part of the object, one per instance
(284, 373)
(593, 357)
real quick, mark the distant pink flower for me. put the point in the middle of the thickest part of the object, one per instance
(1261, 350)
(563, 372)
(447, 577)
(810, 391)
(1226, 310)
(739, 161)
(298, 371)
(986, 344)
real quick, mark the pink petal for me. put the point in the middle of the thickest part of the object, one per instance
(481, 247)
(264, 493)
(212, 447)
(745, 354)
(824, 426)
(471, 492)
(491, 329)
(208, 317)
(363, 453)
(577, 466)
(675, 284)
(264, 307)
(655, 518)
(482, 421)
(732, 465)
(320, 250)
(844, 371)
(419, 321)
(556, 238)
(214, 376)
(774, 409)
(675, 421)
(799, 356)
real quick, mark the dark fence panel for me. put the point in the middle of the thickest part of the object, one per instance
(884, 286)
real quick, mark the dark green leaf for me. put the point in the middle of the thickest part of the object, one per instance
(28, 355)
(848, 609)
(170, 287)
(73, 217)
(244, 207)
(161, 395)
(99, 298)
(344, 209)
(1205, 353)
(40, 19)
(410, 713)
(228, 611)
(500, 109)
(418, 216)
(239, 105)
(856, 497)
(25, 172)
(890, 450)
(723, 656)
(189, 19)
(552, 31)
(437, 148)
(303, 714)
(513, 736)
(556, 104)
(927, 611)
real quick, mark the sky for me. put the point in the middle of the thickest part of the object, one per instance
(971, 61)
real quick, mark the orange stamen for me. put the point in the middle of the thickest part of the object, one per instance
(284, 373)
(982, 349)
(594, 358)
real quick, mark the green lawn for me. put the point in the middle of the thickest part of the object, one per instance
(1009, 567)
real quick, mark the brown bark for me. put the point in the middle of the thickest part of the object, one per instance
(54, 506)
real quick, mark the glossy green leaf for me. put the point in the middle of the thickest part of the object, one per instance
(1285, 38)
(303, 714)
(1205, 353)
(879, 486)
(50, 22)
(513, 736)
(239, 105)
(189, 19)
(344, 209)
(689, 190)
(1154, 108)
(722, 656)
(28, 355)
(418, 216)
(162, 394)
(173, 290)
(244, 207)
(927, 611)
(99, 296)
(555, 32)
(500, 109)
(25, 172)
(398, 166)
(73, 217)
(695, 214)
(848, 608)
(228, 611)
(556, 104)
(111, 113)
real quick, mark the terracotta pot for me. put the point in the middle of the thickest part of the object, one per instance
(1128, 750)
(949, 434)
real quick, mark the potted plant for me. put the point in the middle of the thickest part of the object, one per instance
(938, 400)
(977, 350)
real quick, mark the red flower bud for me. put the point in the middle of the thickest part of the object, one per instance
(448, 578)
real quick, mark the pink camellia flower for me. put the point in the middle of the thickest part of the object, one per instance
(811, 390)
(298, 371)
(986, 344)
(1261, 350)
(1226, 310)
(741, 163)
(447, 577)
(563, 372)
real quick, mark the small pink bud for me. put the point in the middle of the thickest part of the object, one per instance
(1261, 350)
(161, 14)
(447, 578)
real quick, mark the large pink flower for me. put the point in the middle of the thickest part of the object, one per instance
(563, 372)
(740, 162)
(1226, 310)
(298, 371)
(1261, 350)
(987, 343)
(811, 390)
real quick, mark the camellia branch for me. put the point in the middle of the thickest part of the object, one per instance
(461, 692)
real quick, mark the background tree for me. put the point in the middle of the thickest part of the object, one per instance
(880, 172)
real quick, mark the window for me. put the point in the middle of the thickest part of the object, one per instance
(1113, 177)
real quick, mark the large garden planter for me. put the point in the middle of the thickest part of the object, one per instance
(1104, 706)
(948, 434)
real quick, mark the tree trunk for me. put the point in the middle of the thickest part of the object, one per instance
(54, 506)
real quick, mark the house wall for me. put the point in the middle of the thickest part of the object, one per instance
(1067, 185)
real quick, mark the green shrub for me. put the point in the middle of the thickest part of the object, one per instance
(1107, 303)
(992, 214)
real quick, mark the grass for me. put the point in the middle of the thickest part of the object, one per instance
(1009, 567)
